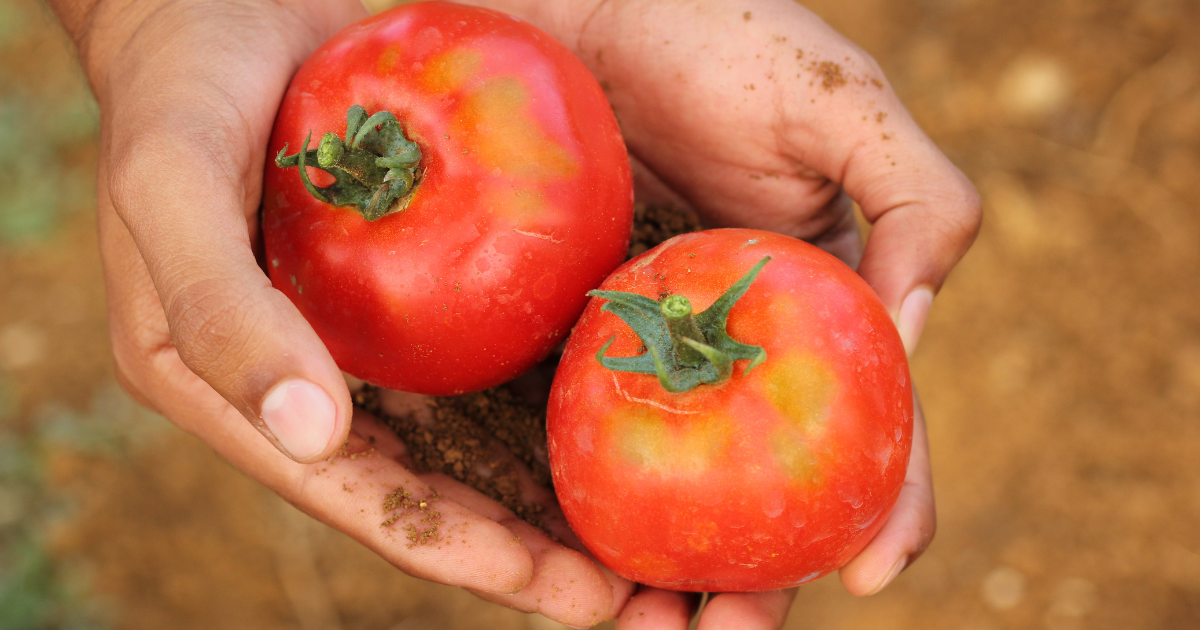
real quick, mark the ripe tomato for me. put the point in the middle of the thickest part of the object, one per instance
(753, 479)
(505, 176)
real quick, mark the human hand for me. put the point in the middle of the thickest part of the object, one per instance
(757, 114)
(188, 91)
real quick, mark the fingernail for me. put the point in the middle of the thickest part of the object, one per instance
(911, 319)
(301, 416)
(896, 569)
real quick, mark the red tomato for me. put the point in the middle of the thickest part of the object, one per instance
(522, 199)
(766, 480)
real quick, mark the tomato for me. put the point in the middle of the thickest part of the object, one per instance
(763, 476)
(498, 183)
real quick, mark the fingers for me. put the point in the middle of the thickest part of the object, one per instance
(747, 611)
(369, 496)
(925, 215)
(924, 212)
(658, 609)
(568, 585)
(362, 491)
(909, 529)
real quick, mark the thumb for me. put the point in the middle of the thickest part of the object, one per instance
(228, 324)
(923, 210)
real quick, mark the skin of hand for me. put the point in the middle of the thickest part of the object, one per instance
(712, 116)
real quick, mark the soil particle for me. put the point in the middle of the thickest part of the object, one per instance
(400, 503)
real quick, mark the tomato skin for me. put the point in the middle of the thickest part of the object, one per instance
(765, 481)
(525, 202)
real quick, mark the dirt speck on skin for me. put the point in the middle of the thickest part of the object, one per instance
(830, 74)
(400, 503)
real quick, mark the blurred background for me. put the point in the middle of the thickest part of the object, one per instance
(1060, 369)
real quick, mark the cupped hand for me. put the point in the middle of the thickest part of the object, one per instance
(188, 91)
(758, 114)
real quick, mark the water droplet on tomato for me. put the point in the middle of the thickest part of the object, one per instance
(773, 504)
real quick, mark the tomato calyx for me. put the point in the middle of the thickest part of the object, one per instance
(375, 168)
(682, 349)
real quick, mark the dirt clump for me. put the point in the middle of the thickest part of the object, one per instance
(831, 75)
(399, 503)
(653, 224)
(465, 437)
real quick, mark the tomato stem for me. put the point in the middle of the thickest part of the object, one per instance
(683, 350)
(677, 312)
(376, 168)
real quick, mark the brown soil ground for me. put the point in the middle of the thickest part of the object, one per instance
(1060, 369)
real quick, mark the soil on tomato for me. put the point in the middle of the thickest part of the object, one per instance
(458, 436)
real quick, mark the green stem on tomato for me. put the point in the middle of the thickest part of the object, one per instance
(677, 313)
(376, 169)
(683, 350)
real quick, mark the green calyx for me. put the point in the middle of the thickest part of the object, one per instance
(375, 166)
(682, 349)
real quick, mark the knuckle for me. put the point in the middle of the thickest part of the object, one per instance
(214, 331)
(148, 164)
(130, 166)
(957, 210)
(970, 215)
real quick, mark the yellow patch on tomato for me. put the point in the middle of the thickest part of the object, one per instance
(494, 124)
(450, 70)
(646, 440)
(794, 457)
(388, 59)
(520, 206)
(801, 388)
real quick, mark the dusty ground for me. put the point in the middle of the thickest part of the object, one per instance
(1060, 369)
